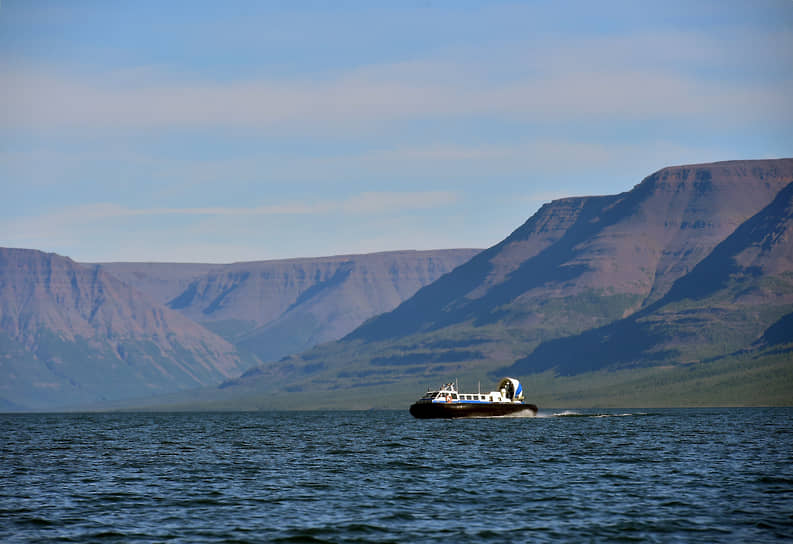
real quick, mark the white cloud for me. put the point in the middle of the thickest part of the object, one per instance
(654, 76)
(106, 231)
(94, 216)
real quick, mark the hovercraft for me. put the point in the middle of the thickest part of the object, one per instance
(447, 402)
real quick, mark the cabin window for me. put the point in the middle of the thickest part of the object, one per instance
(482, 397)
(454, 396)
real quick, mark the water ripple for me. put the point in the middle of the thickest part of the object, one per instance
(600, 476)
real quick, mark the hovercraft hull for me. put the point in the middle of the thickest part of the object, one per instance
(448, 410)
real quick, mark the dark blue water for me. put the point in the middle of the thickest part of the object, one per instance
(664, 476)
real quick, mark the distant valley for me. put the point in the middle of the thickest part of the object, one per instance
(274, 308)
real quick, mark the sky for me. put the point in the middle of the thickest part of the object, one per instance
(239, 131)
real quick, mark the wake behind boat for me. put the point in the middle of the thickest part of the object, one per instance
(447, 402)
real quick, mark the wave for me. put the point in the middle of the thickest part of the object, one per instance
(573, 413)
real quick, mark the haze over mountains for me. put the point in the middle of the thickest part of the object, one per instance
(677, 291)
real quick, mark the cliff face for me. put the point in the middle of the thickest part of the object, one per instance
(688, 211)
(72, 333)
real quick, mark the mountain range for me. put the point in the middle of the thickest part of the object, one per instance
(677, 292)
(73, 334)
(274, 308)
(687, 276)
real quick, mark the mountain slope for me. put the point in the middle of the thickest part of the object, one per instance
(161, 282)
(73, 334)
(577, 265)
(274, 308)
(631, 246)
(740, 295)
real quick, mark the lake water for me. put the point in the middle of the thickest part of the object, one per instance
(698, 475)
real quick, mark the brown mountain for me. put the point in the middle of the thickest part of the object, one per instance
(622, 251)
(577, 265)
(737, 299)
(274, 308)
(74, 334)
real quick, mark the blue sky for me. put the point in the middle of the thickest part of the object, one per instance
(233, 131)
